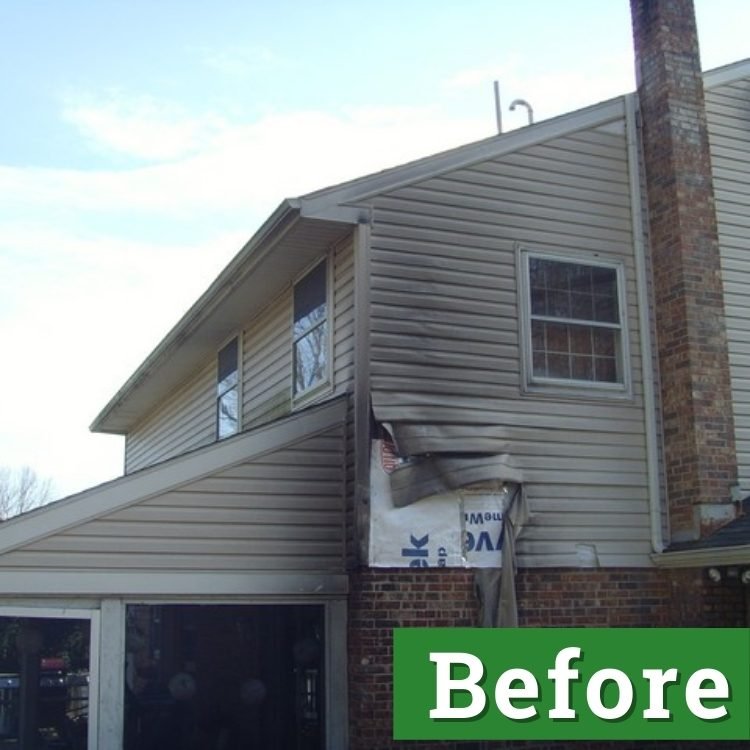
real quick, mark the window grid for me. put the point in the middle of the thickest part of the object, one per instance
(575, 328)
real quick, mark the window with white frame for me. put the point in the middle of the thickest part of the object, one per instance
(574, 322)
(310, 330)
(228, 391)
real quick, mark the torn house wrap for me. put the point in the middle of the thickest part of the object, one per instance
(437, 499)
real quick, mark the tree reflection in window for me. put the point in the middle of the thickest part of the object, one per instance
(310, 330)
(227, 391)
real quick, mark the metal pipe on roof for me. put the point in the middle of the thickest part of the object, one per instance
(498, 109)
(523, 103)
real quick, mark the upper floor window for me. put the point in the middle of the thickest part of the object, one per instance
(227, 390)
(574, 323)
(310, 330)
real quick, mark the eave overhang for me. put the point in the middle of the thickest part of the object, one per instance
(271, 259)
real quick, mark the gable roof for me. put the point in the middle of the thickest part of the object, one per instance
(300, 230)
(169, 475)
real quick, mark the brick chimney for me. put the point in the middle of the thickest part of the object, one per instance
(699, 448)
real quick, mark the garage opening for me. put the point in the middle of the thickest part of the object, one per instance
(224, 677)
(44, 683)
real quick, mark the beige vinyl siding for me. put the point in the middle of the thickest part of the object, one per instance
(445, 332)
(280, 512)
(728, 113)
(343, 363)
(267, 364)
(185, 422)
(188, 420)
(343, 316)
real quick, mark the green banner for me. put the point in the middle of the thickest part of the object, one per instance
(577, 683)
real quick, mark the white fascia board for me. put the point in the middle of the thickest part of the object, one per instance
(153, 481)
(704, 557)
(170, 584)
(726, 74)
(317, 203)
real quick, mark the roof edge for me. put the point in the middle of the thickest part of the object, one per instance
(276, 225)
(171, 474)
(494, 146)
(726, 73)
(703, 557)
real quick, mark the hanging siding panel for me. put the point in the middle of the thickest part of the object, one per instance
(445, 333)
(281, 512)
(728, 113)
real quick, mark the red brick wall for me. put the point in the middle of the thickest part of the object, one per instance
(700, 459)
(382, 600)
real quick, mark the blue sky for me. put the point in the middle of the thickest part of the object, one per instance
(144, 142)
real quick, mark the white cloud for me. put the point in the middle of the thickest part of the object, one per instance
(84, 310)
(550, 92)
(82, 302)
(241, 61)
(141, 127)
(239, 167)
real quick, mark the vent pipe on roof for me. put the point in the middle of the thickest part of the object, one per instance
(523, 103)
(498, 109)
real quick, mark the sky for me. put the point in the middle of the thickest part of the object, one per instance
(143, 142)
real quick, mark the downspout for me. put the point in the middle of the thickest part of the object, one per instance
(644, 323)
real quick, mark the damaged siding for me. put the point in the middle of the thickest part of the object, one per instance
(281, 512)
(188, 420)
(445, 333)
(728, 113)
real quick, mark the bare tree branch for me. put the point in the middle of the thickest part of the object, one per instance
(22, 490)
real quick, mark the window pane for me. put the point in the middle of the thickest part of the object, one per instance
(224, 677)
(310, 300)
(605, 369)
(537, 335)
(538, 301)
(540, 364)
(44, 682)
(228, 413)
(558, 304)
(581, 306)
(605, 309)
(558, 366)
(586, 296)
(305, 323)
(310, 358)
(227, 372)
(580, 340)
(557, 337)
(583, 368)
(604, 342)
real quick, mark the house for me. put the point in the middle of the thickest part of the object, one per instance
(475, 345)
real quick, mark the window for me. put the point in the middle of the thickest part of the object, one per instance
(310, 331)
(225, 676)
(574, 323)
(227, 391)
(44, 683)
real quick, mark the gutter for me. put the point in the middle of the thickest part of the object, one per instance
(704, 557)
(644, 322)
